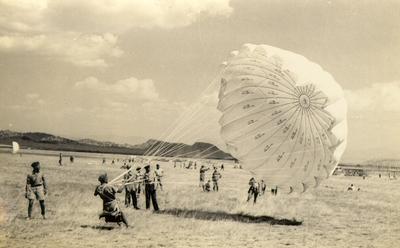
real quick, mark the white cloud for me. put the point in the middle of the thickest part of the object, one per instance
(78, 31)
(131, 88)
(32, 96)
(376, 97)
(78, 49)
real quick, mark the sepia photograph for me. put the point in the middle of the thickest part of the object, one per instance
(200, 123)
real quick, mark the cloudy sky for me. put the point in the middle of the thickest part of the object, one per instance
(124, 69)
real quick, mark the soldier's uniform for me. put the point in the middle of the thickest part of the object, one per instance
(150, 189)
(207, 186)
(159, 174)
(111, 211)
(130, 190)
(253, 190)
(215, 177)
(203, 176)
(36, 188)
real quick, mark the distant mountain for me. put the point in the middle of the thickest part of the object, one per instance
(37, 140)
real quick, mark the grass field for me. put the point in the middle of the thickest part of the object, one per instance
(331, 216)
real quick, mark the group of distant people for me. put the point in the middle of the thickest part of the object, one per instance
(215, 177)
(60, 160)
(256, 189)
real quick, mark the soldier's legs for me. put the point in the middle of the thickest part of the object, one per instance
(30, 207)
(127, 198)
(255, 196)
(134, 199)
(124, 219)
(147, 192)
(42, 208)
(154, 199)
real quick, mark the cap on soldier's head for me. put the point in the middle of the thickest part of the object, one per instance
(138, 168)
(103, 178)
(147, 166)
(35, 164)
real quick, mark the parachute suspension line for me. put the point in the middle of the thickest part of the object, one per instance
(181, 155)
(121, 175)
(186, 130)
(175, 149)
(201, 153)
(180, 146)
(173, 135)
(191, 115)
(209, 154)
(183, 145)
(166, 132)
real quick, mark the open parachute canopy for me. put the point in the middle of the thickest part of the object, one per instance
(283, 116)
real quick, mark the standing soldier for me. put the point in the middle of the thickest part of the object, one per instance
(263, 187)
(111, 211)
(203, 170)
(159, 174)
(150, 190)
(60, 160)
(36, 188)
(253, 190)
(130, 189)
(215, 177)
(127, 178)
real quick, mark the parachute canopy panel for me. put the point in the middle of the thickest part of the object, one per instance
(283, 117)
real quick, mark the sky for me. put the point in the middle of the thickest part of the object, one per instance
(126, 71)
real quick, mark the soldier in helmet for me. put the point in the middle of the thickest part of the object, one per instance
(36, 188)
(111, 211)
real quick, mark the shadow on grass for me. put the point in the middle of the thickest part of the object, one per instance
(219, 215)
(108, 228)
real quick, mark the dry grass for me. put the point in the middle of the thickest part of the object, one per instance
(331, 216)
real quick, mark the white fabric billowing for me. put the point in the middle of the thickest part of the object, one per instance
(284, 117)
(15, 147)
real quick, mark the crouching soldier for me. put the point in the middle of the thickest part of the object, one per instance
(36, 188)
(111, 211)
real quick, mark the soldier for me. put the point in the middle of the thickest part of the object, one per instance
(127, 178)
(253, 190)
(263, 187)
(215, 177)
(36, 188)
(207, 186)
(150, 189)
(111, 211)
(60, 160)
(138, 177)
(203, 170)
(159, 174)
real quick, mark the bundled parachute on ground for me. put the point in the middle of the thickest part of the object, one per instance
(283, 116)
